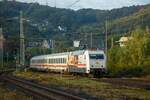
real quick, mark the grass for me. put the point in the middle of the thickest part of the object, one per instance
(88, 86)
(6, 94)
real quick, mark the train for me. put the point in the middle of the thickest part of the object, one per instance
(79, 61)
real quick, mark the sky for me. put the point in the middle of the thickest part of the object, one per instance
(95, 4)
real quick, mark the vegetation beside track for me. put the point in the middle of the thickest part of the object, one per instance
(7, 94)
(85, 85)
(133, 59)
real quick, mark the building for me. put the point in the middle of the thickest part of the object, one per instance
(123, 41)
(45, 44)
(76, 43)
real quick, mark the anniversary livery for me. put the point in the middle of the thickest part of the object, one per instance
(81, 61)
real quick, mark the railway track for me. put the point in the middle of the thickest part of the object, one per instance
(126, 82)
(6, 71)
(39, 91)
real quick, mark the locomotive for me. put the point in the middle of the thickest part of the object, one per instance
(80, 61)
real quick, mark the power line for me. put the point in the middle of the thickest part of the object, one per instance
(30, 7)
(74, 3)
(55, 3)
(47, 2)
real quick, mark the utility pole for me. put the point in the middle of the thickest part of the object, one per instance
(1, 48)
(46, 3)
(55, 3)
(106, 37)
(22, 47)
(85, 41)
(91, 40)
(112, 42)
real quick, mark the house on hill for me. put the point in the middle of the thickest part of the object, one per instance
(123, 41)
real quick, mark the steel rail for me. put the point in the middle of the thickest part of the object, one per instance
(126, 82)
(40, 91)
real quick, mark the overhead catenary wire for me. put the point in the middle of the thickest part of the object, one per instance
(30, 7)
(74, 3)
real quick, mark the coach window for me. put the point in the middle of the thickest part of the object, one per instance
(57, 60)
(61, 60)
(64, 60)
(51, 61)
(54, 60)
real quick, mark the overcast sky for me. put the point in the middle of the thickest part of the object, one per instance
(96, 4)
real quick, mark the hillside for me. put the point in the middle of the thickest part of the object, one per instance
(140, 18)
(45, 21)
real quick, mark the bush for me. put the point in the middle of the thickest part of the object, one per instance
(133, 59)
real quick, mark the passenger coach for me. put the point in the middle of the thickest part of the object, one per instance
(81, 61)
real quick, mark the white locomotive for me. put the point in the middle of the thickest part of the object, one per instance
(81, 61)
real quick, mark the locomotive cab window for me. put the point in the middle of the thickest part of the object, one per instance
(96, 56)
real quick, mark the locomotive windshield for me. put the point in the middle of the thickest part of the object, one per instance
(96, 56)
